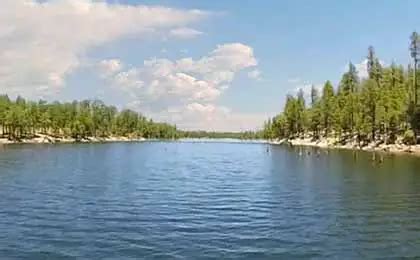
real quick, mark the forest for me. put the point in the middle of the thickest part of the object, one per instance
(20, 119)
(383, 107)
(247, 135)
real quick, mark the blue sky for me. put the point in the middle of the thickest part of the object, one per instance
(290, 43)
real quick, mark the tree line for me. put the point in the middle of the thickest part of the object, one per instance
(247, 135)
(382, 107)
(20, 118)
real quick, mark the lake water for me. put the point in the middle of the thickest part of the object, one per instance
(179, 200)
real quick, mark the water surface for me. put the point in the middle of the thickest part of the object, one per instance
(177, 200)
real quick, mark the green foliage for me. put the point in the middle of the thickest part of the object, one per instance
(23, 119)
(329, 105)
(409, 137)
(379, 107)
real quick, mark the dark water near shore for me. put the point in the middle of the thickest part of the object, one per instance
(205, 201)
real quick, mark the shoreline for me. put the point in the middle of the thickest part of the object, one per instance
(323, 143)
(47, 139)
(331, 143)
(223, 140)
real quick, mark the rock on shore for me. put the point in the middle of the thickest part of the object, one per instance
(333, 143)
(47, 139)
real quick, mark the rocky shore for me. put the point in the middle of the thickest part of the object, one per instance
(331, 143)
(47, 139)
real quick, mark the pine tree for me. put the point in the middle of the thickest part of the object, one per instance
(301, 112)
(347, 95)
(415, 54)
(381, 107)
(315, 113)
(291, 116)
(328, 104)
(24, 119)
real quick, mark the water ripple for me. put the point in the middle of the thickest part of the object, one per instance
(204, 201)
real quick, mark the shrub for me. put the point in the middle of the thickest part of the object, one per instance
(409, 137)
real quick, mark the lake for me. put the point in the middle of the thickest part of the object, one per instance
(181, 200)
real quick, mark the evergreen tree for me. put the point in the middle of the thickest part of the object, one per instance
(301, 112)
(382, 107)
(328, 104)
(415, 54)
(24, 119)
(315, 113)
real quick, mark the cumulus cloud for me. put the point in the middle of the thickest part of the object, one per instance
(185, 33)
(43, 42)
(210, 117)
(362, 68)
(254, 74)
(306, 87)
(198, 116)
(163, 83)
(186, 88)
(110, 67)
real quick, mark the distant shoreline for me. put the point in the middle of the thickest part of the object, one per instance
(331, 143)
(324, 143)
(223, 140)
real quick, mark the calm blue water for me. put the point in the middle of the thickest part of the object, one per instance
(204, 201)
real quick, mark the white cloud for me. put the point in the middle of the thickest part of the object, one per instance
(306, 87)
(294, 80)
(110, 67)
(162, 82)
(186, 88)
(362, 68)
(210, 117)
(254, 74)
(41, 43)
(185, 33)
(196, 116)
